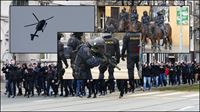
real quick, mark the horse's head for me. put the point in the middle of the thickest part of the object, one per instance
(135, 27)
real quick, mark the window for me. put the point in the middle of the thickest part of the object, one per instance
(20, 2)
(44, 56)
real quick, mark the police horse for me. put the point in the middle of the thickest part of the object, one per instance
(155, 34)
(115, 25)
(111, 25)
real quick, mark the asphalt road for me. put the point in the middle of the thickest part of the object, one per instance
(146, 101)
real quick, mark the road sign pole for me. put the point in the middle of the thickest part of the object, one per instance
(181, 32)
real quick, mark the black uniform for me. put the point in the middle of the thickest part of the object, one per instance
(145, 20)
(84, 61)
(160, 22)
(61, 57)
(113, 50)
(131, 45)
(123, 15)
(73, 43)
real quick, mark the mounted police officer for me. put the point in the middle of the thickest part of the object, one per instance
(145, 19)
(134, 16)
(123, 15)
(160, 20)
(113, 50)
(131, 45)
(88, 56)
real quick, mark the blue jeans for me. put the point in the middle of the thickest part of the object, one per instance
(155, 80)
(163, 79)
(145, 80)
(78, 87)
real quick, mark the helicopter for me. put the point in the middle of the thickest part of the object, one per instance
(40, 26)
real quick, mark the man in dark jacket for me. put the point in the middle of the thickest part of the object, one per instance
(146, 73)
(19, 79)
(12, 79)
(5, 70)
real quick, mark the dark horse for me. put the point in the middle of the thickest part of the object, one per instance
(123, 25)
(154, 33)
(135, 26)
(111, 25)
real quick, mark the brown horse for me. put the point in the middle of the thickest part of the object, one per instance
(111, 25)
(154, 33)
(135, 27)
(123, 26)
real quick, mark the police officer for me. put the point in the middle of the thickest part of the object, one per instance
(134, 16)
(145, 19)
(123, 15)
(88, 56)
(113, 50)
(61, 57)
(160, 22)
(131, 45)
(73, 43)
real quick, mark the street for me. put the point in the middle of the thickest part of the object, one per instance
(144, 101)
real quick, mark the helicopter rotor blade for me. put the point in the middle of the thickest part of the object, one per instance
(49, 18)
(30, 25)
(35, 17)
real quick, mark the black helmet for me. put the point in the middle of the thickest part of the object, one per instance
(97, 45)
(145, 12)
(59, 35)
(159, 13)
(77, 34)
(106, 35)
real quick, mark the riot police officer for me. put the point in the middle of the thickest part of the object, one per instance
(134, 16)
(72, 44)
(88, 56)
(61, 57)
(113, 50)
(145, 19)
(160, 22)
(123, 15)
(131, 45)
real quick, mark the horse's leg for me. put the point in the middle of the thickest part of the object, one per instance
(158, 38)
(170, 43)
(166, 43)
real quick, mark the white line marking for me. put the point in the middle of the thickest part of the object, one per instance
(43, 100)
(185, 108)
(145, 94)
(190, 95)
(169, 94)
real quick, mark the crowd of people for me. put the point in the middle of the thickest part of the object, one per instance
(162, 74)
(26, 79)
